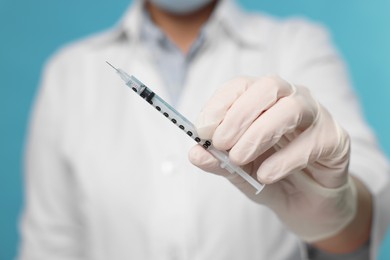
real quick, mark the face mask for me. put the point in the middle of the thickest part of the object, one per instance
(180, 6)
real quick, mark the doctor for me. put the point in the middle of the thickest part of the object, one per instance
(108, 178)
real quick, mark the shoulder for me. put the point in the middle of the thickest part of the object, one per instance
(74, 53)
(291, 30)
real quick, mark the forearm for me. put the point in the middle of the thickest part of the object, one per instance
(355, 234)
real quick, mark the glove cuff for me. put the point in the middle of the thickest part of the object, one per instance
(337, 207)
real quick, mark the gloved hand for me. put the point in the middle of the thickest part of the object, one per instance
(281, 135)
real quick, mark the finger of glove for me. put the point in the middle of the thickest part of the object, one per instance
(259, 96)
(296, 155)
(287, 115)
(214, 111)
(309, 150)
(204, 160)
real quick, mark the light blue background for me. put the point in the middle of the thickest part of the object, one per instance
(31, 30)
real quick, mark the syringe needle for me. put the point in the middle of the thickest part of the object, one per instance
(125, 77)
(112, 66)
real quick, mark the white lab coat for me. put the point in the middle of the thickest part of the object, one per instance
(107, 177)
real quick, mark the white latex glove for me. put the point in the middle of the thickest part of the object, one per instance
(286, 139)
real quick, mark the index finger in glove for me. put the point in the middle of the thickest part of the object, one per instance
(204, 160)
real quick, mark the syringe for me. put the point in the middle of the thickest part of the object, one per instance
(185, 125)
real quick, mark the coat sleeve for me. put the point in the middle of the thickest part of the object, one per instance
(51, 226)
(311, 60)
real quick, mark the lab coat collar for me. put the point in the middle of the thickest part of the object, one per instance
(232, 19)
(130, 24)
(227, 16)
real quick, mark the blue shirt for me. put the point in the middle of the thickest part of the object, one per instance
(171, 62)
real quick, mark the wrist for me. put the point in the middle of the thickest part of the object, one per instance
(357, 232)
